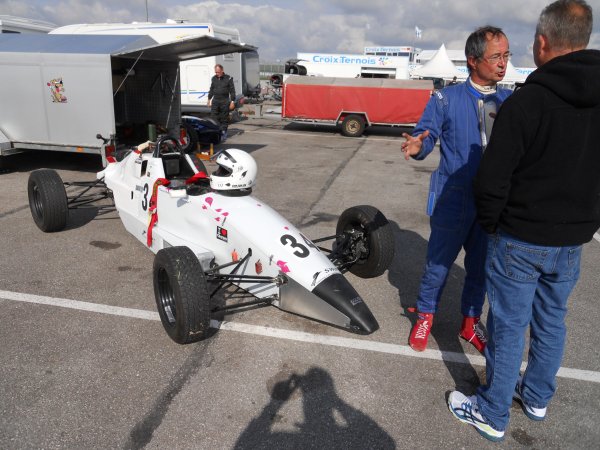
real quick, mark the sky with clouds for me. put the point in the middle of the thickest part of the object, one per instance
(282, 28)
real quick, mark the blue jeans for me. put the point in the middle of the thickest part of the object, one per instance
(528, 286)
(445, 242)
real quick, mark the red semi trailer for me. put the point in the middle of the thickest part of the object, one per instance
(355, 103)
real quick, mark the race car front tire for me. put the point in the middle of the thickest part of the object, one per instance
(47, 200)
(375, 248)
(182, 296)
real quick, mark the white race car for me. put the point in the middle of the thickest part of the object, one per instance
(207, 231)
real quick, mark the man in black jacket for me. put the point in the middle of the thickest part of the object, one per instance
(221, 97)
(537, 194)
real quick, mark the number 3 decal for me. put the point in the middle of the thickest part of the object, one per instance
(145, 198)
(301, 252)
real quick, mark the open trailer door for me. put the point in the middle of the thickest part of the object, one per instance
(185, 49)
(67, 89)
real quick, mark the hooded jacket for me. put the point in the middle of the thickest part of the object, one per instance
(539, 179)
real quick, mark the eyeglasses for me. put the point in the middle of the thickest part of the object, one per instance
(495, 59)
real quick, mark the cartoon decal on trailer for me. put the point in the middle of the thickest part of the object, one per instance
(57, 90)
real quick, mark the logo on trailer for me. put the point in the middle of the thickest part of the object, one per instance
(222, 234)
(57, 90)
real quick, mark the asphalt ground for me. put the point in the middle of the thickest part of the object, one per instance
(85, 362)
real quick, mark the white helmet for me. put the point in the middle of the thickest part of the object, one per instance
(237, 170)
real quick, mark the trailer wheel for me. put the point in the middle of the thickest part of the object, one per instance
(368, 239)
(188, 138)
(353, 125)
(182, 295)
(47, 200)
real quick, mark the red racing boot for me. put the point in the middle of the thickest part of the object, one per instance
(472, 331)
(420, 332)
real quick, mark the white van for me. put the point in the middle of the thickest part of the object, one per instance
(196, 73)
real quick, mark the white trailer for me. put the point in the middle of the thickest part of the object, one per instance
(64, 90)
(195, 73)
(17, 25)
(349, 66)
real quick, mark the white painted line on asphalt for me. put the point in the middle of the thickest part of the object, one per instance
(298, 336)
(354, 343)
(597, 237)
(83, 306)
(383, 347)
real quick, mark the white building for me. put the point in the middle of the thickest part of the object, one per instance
(390, 50)
(352, 66)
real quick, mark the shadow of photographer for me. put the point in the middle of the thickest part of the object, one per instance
(329, 422)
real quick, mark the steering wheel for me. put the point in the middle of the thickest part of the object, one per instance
(167, 144)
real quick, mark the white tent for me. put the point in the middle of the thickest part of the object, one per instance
(512, 75)
(439, 66)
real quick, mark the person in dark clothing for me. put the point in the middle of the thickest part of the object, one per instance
(221, 97)
(537, 194)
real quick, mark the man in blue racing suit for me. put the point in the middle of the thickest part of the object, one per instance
(461, 117)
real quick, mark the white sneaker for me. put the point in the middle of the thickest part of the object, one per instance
(531, 412)
(466, 410)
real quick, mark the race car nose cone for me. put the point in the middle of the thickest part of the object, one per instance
(339, 293)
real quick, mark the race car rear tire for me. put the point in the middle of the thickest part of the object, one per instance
(375, 249)
(181, 293)
(47, 200)
(188, 138)
(353, 125)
